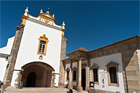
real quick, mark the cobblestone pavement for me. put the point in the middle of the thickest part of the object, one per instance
(39, 90)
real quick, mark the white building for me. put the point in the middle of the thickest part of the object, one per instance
(36, 55)
(35, 51)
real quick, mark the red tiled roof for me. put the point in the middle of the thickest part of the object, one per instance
(81, 49)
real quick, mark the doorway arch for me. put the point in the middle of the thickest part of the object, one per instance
(31, 79)
(37, 74)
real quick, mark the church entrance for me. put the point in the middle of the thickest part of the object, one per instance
(31, 79)
(83, 78)
(37, 74)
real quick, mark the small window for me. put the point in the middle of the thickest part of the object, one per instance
(42, 46)
(95, 74)
(112, 70)
(67, 75)
(113, 74)
(74, 75)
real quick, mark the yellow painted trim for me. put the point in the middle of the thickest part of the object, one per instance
(33, 16)
(52, 22)
(42, 15)
(58, 25)
(63, 30)
(24, 18)
(39, 18)
(47, 13)
(43, 38)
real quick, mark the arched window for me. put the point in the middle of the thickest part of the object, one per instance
(113, 74)
(74, 73)
(112, 69)
(95, 73)
(42, 46)
(95, 76)
(67, 74)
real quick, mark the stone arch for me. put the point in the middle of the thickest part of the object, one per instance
(43, 72)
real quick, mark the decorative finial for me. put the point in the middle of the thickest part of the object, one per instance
(48, 10)
(53, 16)
(26, 11)
(41, 11)
(63, 25)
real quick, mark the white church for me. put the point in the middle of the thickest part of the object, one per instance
(36, 56)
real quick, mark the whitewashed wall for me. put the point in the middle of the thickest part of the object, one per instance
(74, 83)
(3, 64)
(3, 61)
(29, 46)
(67, 67)
(74, 64)
(8, 47)
(102, 61)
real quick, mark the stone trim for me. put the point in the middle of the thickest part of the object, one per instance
(4, 55)
(119, 43)
(112, 64)
(92, 90)
(44, 24)
(94, 66)
(13, 55)
(67, 69)
(62, 64)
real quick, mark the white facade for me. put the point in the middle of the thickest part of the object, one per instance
(3, 59)
(28, 51)
(29, 47)
(102, 62)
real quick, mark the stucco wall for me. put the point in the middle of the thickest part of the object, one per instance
(3, 61)
(8, 47)
(102, 62)
(3, 64)
(29, 45)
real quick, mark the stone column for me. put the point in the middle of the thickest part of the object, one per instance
(62, 65)
(79, 88)
(87, 78)
(52, 79)
(87, 74)
(70, 77)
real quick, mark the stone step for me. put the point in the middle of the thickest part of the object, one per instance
(39, 90)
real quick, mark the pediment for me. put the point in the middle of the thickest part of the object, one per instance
(111, 63)
(74, 68)
(47, 16)
(67, 69)
(94, 66)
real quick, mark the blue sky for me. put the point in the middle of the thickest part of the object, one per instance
(89, 24)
